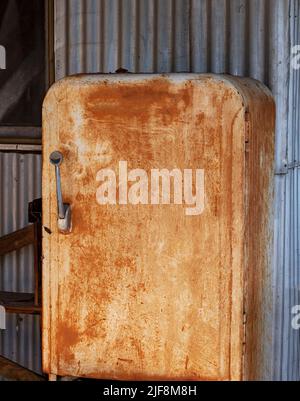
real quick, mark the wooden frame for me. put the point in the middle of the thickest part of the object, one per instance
(16, 302)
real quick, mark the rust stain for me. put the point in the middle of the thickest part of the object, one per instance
(186, 362)
(67, 339)
(125, 262)
(125, 360)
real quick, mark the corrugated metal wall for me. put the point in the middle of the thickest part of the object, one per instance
(20, 183)
(287, 227)
(241, 37)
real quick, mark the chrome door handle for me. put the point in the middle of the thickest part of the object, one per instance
(63, 209)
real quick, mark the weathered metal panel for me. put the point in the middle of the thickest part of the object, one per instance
(287, 228)
(242, 37)
(144, 290)
(246, 38)
(20, 183)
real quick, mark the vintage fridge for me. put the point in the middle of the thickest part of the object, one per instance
(157, 226)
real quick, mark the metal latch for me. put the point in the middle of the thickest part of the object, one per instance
(63, 209)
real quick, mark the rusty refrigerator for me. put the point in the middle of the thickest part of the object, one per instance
(155, 265)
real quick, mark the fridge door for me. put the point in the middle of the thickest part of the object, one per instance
(144, 285)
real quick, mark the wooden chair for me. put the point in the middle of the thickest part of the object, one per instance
(24, 303)
(17, 302)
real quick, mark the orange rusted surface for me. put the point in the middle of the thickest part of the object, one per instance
(146, 291)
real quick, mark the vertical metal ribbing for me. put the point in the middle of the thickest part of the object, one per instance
(242, 37)
(20, 183)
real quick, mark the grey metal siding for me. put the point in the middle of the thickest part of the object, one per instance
(20, 183)
(287, 227)
(241, 37)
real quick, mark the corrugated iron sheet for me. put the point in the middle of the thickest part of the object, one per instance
(287, 228)
(242, 37)
(20, 183)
